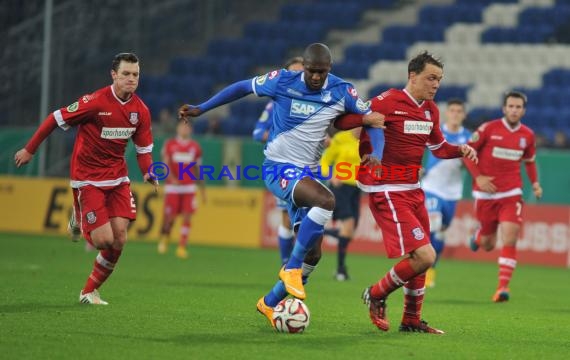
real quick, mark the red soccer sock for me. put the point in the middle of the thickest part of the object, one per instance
(413, 299)
(507, 265)
(102, 269)
(394, 279)
(184, 232)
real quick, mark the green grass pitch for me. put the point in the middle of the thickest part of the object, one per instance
(204, 308)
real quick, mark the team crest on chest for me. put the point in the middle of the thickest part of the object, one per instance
(134, 118)
(427, 114)
(326, 96)
(522, 143)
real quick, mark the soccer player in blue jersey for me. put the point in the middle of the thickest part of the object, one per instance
(285, 234)
(443, 182)
(305, 104)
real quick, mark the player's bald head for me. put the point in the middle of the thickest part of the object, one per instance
(317, 53)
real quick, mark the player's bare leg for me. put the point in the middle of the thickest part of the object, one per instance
(182, 251)
(109, 238)
(165, 234)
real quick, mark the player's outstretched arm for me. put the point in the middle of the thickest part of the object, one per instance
(25, 155)
(226, 95)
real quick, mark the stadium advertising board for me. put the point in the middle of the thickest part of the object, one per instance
(43, 206)
(545, 239)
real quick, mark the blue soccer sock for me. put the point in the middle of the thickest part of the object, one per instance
(438, 244)
(285, 237)
(276, 294)
(311, 228)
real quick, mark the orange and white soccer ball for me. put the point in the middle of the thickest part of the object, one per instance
(291, 316)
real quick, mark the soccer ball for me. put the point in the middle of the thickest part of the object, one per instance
(291, 316)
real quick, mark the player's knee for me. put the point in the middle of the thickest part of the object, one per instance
(102, 240)
(120, 238)
(424, 258)
(326, 201)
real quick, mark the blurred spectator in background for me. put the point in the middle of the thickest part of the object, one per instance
(541, 141)
(214, 125)
(166, 123)
(560, 140)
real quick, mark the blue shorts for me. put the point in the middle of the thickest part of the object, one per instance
(281, 204)
(281, 179)
(440, 211)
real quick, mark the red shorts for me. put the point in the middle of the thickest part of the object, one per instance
(175, 204)
(490, 213)
(95, 206)
(403, 219)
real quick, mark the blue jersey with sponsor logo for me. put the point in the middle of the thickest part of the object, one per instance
(443, 176)
(301, 116)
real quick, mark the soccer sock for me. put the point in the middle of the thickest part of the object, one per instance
(276, 294)
(306, 271)
(342, 247)
(438, 244)
(310, 230)
(332, 232)
(184, 231)
(395, 278)
(285, 237)
(413, 298)
(507, 264)
(102, 269)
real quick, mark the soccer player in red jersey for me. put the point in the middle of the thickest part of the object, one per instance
(497, 184)
(396, 199)
(103, 202)
(182, 155)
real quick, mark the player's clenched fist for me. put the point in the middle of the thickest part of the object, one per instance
(186, 111)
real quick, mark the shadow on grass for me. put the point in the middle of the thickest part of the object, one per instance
(39, 307)
(458, 301)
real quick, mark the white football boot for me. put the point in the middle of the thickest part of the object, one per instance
(92, 298)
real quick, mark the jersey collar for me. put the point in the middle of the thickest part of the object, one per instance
(413, 99)
(506, 124)
(324, 85)
(119, 99)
